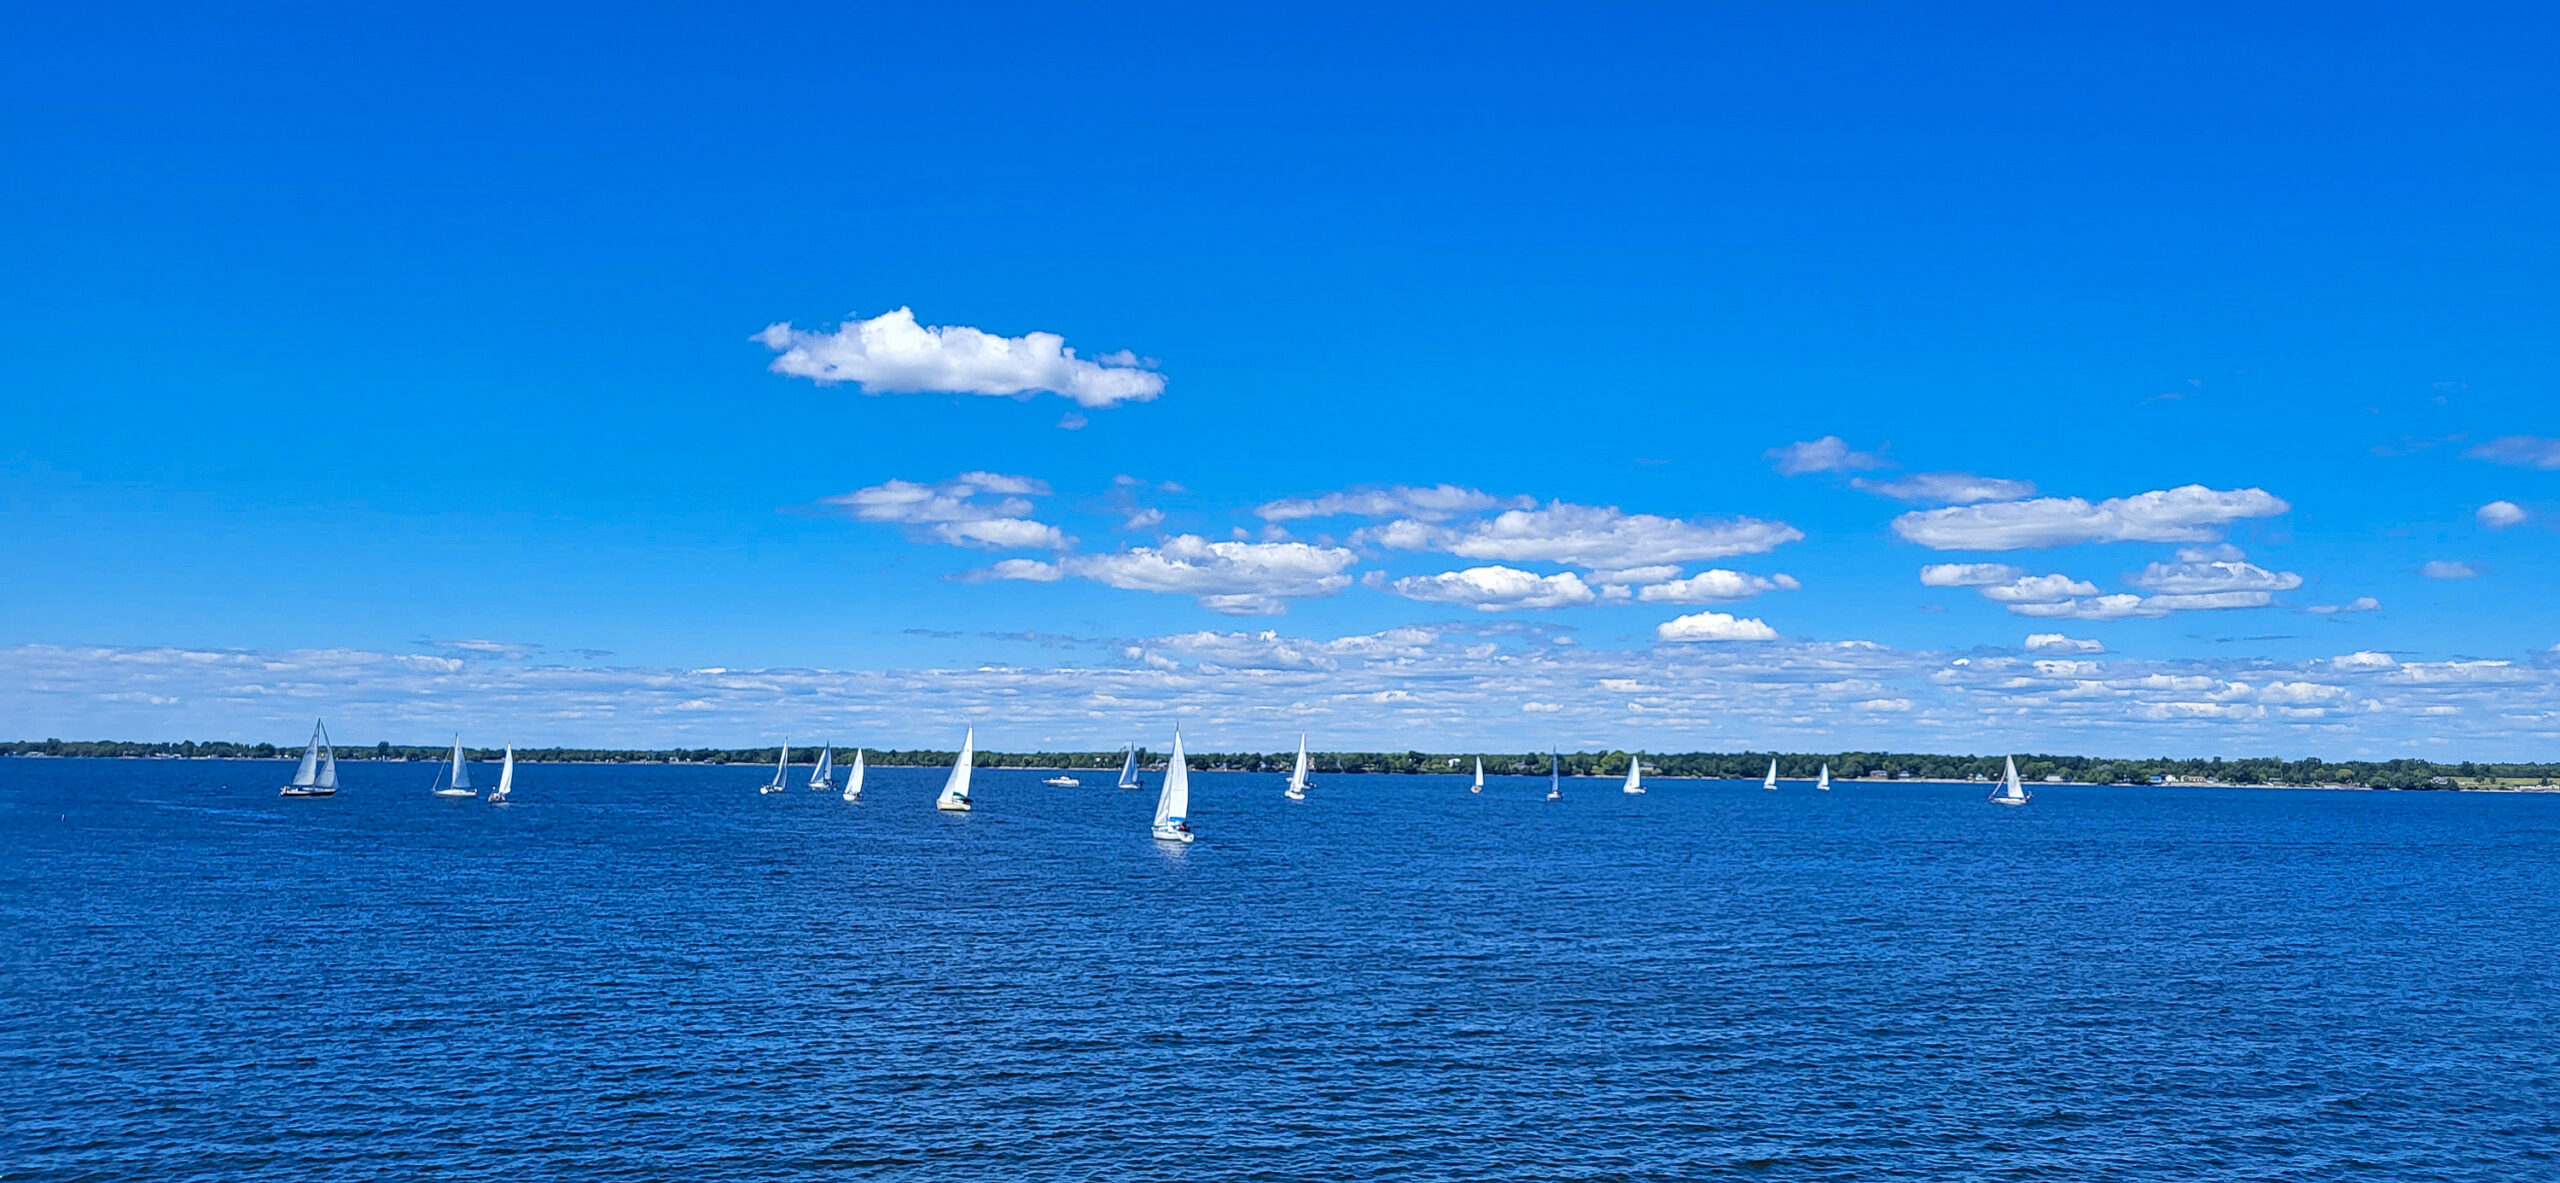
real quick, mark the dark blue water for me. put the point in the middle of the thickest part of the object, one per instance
(654, 973)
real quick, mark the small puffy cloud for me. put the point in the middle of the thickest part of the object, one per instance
(1025, 570)
(2114, 607)
(2038, 589)
(2358, 604)
(2522, 451)
(981, 509)
(892, 354)
(1145, 519)
(2498, 515)
(2058, 643)
(1236, 578)
(1713, 586)
(1435, 503)
(2189, 513)
(1828, 454)
(1947, 488)
(2448, 569)
(2210, 571)
(1714, 626)
(1969, 574)
(2363, 659)
(1589, 536)
(1535, 707)
(1495, 589)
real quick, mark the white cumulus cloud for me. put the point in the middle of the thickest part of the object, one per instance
(1969, 574)
(1235, 578)
(1428, 503)
(2358, 604)
(1714, 626)
(2448, 569)
(2189, 513)
(2058, 643)
(1495, 589)
(1714, 585)
(2500, 514)
(2038, 589)
(2205, 572)
(1589, 536)
(983, 509)
(893, 354)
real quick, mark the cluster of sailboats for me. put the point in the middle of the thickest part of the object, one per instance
(318, 777)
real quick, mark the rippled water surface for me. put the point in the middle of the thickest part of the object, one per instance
(655, 973)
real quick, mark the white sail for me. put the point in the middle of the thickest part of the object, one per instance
(309, 774)
(2012, 791)
(461, 770)
(506, 778)
(328, 778)
(1635, 774)
(1129, 769)
(1173, 803)
(1555, 774)
(1770, 781)
(1298, 776)
(853, 777)
(1823, 781)
(955, 791)
(823, 776)
(1479, 785)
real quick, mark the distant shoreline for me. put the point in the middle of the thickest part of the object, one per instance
(1109, 762)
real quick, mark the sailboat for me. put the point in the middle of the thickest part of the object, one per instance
(1478, 787)
(1770, 782)
(1555, 771)
(1635, 774)
(461, 786)
(2012, 791)
(318, 776)
(823, 777)
(1823, 782)
(781, 764)
(1173, 802)
(853, 777)
(1129, 770)
(506, 778)
(1297, 790)
(955, 791)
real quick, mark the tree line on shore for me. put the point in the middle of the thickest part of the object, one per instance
(2254, 770)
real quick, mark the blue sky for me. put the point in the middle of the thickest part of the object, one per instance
(402, 365)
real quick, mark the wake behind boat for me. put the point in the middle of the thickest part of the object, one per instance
(1173, 802)
(2012, 791)
(461, 786)
(318, 776)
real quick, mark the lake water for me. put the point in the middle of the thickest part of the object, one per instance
(655, 973)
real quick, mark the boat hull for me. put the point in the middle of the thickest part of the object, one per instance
(1294, 794)
(456, 793)
(822, 786)
(303, 791)
(2009, 800)
(1170, 834)
(961, 806)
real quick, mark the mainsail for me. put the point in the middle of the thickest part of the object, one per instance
(461, 770)
(1173, 804)
(955, 791)
(1129, 769)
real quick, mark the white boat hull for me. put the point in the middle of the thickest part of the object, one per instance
(771, 789)
(1295, 794)
(1555, 796)
(1063, 782)
(952, 806)
(2009, 800)
(305, 791)
(1171, 834)
(457, 793)
(822, 786)
(1634, 792)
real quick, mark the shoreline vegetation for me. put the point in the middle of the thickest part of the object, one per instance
(1918, 767)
